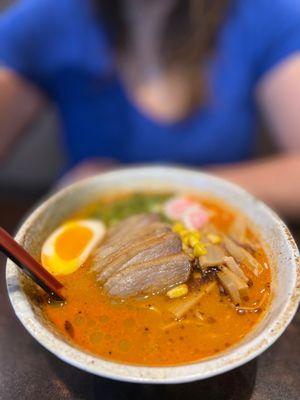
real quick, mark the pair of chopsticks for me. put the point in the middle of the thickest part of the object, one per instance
(30, 266)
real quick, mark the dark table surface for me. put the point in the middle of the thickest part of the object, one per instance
(28, 371)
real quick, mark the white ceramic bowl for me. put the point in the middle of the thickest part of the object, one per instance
(281, 248)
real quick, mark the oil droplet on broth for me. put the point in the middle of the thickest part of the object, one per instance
(124, 345)
(79, 320)
(90, 323)
(96, 337)
(103, 319)
(128, 322)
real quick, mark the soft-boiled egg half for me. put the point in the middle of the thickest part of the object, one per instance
(69, 246)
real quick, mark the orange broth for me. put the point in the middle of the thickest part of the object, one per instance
(141, 330)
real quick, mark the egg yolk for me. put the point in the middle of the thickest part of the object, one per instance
(71, 242)
(68, 247)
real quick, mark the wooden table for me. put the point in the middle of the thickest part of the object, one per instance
(28, 371)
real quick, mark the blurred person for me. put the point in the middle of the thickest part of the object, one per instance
(177, 81)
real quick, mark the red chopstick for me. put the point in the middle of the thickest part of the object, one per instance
(29, 265)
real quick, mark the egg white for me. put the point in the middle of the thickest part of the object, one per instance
(58, 266)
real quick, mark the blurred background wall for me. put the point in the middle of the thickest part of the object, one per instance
(36, 159)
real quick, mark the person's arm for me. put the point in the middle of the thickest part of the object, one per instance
(20, 102)
(276, 180)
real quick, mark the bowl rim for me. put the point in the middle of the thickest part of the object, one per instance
(233, 358)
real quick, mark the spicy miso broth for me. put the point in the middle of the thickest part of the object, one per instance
(157, 279)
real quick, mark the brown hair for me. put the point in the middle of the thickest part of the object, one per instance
(189, 35)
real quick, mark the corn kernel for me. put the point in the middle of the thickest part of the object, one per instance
(178, 291)
(192, 240)
(215, 239)
(178, 227)
(185, 248)
(185, 240)
(196, 275)
(184, 232)
(196, 234)
(199, 250)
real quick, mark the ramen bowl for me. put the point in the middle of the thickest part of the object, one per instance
(281, 250)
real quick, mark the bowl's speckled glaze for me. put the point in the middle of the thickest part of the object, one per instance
(281, 248)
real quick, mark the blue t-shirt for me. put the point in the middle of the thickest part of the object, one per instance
(62, 47)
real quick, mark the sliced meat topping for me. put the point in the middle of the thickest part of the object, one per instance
(144, 250)
(154, 276)
(148, 258)
(117, 251)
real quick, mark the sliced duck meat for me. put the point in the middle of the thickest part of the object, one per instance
(153, 276)
(116, 251)
(131, 226)
(214, 256)
(124, 234)
(143, 250)
(154, 231)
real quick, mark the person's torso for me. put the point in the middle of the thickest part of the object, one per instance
(101, 120)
